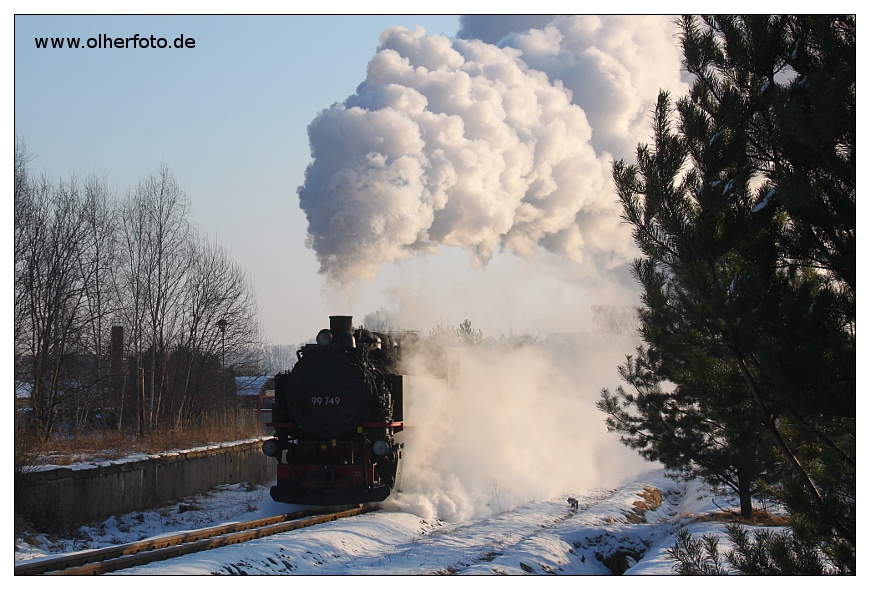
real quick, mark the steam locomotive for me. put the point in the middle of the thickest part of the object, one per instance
(338, 415)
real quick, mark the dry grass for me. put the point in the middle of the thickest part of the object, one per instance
(651, 498)
(91, 446)
(759, 518)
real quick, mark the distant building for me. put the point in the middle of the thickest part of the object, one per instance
(257, 394)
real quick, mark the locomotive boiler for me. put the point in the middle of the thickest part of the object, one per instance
(337, 417)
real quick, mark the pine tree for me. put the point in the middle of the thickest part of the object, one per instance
(745, 216)
(668, 424)
(786, 86)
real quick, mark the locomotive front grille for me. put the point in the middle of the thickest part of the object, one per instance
(322, 475)
(308, 477)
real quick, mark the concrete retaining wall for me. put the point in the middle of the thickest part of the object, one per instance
(64, 498)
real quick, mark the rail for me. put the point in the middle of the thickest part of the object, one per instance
(117, 557)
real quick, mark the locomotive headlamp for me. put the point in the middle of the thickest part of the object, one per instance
(381, 448)
(271, 448)
(324, 337)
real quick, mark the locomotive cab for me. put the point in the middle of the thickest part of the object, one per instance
(338, 419)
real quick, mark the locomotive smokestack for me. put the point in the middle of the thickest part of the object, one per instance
(340, 324)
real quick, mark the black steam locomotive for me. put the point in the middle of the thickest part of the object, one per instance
(336, 417)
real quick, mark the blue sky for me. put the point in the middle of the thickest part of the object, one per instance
(230, 117)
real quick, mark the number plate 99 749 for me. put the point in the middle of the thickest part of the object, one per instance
(325, 400)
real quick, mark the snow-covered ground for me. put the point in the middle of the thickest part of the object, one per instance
(489, 465)
(541, 537)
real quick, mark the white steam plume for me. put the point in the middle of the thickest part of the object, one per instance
(484, 146)
(613, 65)
(515, 425)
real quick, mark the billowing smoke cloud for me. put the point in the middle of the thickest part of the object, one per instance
(493, 28)
(614, 67)
(511, 426)
(485, 146)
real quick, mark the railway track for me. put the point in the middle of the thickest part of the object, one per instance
(117, 557)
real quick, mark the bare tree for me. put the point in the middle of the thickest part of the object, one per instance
(98, 264)
(168, 241)
(130, 287)
(25, 210)
(220, 316)
(48, 290)
(83, 263)
(156, 241)
(279, 357)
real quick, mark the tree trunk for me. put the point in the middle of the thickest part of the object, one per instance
(745, 495)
